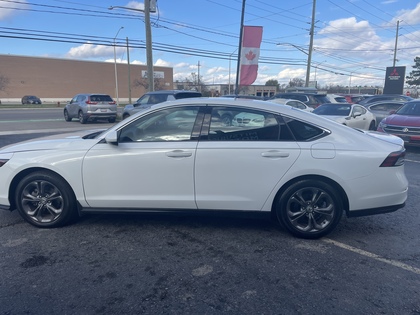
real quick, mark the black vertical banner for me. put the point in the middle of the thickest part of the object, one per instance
(394, 80)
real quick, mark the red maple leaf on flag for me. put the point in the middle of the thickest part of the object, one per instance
(250, 55)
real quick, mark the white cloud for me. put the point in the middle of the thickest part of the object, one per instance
(409, 16)
(8, 9)
(135, 5)
(94, 51)
(162, 63)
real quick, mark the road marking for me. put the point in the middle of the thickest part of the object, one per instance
(59, 131)
(31, 120)
(394, 263)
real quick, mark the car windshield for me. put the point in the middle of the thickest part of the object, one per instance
(333, 110)
(410, 109)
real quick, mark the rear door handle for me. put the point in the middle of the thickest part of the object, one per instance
(275, 154)
(179, 154)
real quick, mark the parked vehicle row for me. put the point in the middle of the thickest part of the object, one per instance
(368, 114)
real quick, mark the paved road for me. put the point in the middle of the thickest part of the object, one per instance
(173, 264)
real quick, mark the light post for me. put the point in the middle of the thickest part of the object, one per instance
(230, 56)
(115, 68)
(350, 78)
(149, 54)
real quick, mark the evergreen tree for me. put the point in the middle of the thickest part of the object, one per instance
(414, 77)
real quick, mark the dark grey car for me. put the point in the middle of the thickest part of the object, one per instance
(156, 97)
(383, 109)
(91, 107)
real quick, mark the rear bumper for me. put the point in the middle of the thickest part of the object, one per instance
(365, 212)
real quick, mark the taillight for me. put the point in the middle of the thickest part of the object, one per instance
(112, 103)
(394, 159)
(92, 103)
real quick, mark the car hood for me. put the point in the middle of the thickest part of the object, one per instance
(80, 140)
(403, 120)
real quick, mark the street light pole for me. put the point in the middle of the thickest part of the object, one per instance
(149, 49)
(115, 68)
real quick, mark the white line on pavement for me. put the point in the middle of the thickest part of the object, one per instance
(394, 263)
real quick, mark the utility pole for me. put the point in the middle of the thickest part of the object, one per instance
(311, 45)
(396, 44)
(149, 49)
(129, 72)
(198, 77)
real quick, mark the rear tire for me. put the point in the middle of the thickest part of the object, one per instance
(45, 200)
(82, 118)
(309, 208)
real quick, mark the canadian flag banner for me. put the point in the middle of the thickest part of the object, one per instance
(250, 52)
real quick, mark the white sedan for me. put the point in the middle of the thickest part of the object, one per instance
(181, 156)
(293, 103)
(352, 115)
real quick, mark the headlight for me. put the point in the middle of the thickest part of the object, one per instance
(383, 125)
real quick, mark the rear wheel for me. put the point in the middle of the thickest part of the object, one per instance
(66, 115)
(309, 208)
(82, 118)
(45, 200)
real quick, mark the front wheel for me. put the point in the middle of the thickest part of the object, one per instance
(372, 125)
(45, 200)
(309, 208)
(66, 115)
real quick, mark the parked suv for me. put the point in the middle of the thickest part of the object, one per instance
(91, 107)
(31, 99)
(156, 97)
(311, 99)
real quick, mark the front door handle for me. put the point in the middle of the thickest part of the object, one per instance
(179, 154)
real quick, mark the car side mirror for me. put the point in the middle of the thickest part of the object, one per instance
(112, 137)
(392, 112)
(357, 114)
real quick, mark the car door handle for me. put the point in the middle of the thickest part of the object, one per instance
(275, 154)
(179, 154)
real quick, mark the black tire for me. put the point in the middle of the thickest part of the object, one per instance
(66, 116)
(111, 120)
(45, 200)
(82, 118)
(372, 125)
(309, 208)
(126, 116)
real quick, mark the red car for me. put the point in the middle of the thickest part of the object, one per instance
(404, 123)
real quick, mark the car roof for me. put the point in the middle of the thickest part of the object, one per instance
(172, 92)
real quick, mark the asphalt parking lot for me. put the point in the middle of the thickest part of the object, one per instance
(177, 264)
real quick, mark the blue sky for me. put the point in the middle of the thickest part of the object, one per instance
(354, 40)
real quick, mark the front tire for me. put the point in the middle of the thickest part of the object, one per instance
(372, 125)
(45, 200)
(309, 208)
(66, 115)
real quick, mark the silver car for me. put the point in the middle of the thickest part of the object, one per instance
(91, 107)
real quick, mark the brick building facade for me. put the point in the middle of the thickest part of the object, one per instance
(57, 79)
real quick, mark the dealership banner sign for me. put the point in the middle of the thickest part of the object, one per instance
(394, 80)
